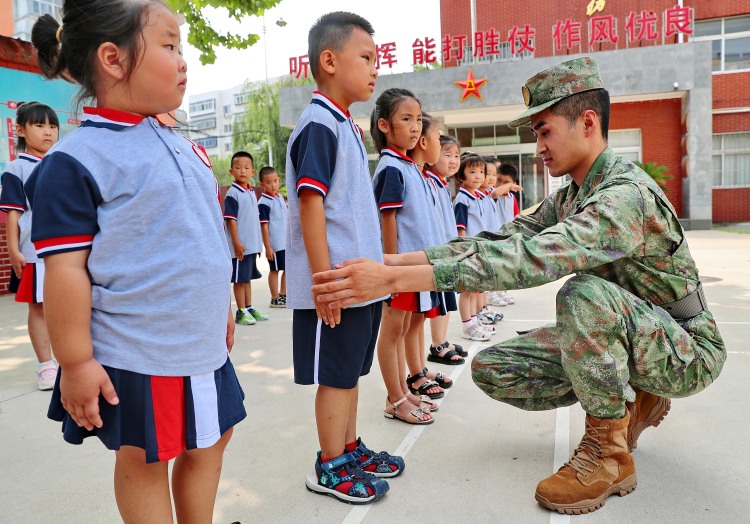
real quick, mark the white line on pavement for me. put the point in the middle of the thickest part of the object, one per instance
(562, 453)
(357, 513)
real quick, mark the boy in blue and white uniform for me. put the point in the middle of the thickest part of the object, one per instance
(273, 227)
(333, 218)
(243, 234)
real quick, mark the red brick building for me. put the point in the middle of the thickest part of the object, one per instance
(651, 127)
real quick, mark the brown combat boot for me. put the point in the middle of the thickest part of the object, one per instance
(601, 466)
(648, 410)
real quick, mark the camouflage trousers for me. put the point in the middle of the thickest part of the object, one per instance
(605, 341)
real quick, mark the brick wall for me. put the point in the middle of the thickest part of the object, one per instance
(731, 90)
(661, 133)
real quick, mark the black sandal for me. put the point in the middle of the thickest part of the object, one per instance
(440, 379)
(422, 390)
(459, 348)
(446, 359)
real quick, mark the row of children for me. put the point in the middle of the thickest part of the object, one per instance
(336, 213)
(253, 226)
(153, 387)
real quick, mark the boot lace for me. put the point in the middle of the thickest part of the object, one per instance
(587, 456)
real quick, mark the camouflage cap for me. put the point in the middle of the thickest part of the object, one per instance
(547, 88)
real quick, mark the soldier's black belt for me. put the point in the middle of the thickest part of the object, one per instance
(688, 306)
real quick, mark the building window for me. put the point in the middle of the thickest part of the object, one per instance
(240, 99)
(730, 42)
(44, 8)
(504, 54)
(203, 105)
(227, 128)
(731, 160)
(206, 142)
(206, 123)
(227, 148)
(227, 110)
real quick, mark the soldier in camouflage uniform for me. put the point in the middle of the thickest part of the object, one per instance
(632, 327)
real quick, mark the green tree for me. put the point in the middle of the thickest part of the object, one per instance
(259, 125)
(204, 37)
(221, 166)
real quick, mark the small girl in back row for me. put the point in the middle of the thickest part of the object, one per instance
(410, 222)
(470, 220)
(124, 187)
(37, 128)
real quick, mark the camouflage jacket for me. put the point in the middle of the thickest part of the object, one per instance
(618, 225)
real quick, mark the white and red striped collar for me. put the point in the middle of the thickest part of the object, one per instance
(29, 156)
(111, 118)
(332, 106)
(468, 193)
(392, 152)
(243, 189)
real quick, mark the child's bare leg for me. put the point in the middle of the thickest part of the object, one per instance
(239, 296)
(195, 480)
(391, 333)
(283, 282)
(351, 425)
(38, 333)
(332, 408)
(141, 489)
(465, 306)
(273, 283)
(248, 294)
(438, 327)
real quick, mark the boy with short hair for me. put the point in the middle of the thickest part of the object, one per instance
(273, 225)
(243, 236)
(333, 218)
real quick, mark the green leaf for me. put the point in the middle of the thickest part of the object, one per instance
(204, 37)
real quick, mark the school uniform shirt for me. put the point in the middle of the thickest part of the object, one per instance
(398, 184)
(491, 217)
(273, 211)
(326, 154)
(241, 206)
(468, 210)
(13, 198)
(506, 208)
(143, 199)
(446, 207)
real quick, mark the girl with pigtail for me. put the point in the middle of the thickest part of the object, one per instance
(125, 187)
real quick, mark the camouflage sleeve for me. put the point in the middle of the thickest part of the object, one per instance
(609, 226)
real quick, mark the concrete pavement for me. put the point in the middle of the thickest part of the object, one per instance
(479, 462)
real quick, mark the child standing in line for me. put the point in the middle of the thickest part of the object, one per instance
(333, 218)
(446, 166)
(410, 222)
(427, 151)
(243, 236)
(507, 207)
(492, 224)
(273, 226)
(125, 187)
(37, 130)
(468, 209)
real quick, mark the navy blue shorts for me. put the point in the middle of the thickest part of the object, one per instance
(279, 261)
(162, 415)
(335, 357)
(245, 270)
(447, 302)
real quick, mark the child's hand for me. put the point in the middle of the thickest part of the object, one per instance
(239, 250)
(17, 262)
(230, 332)
(80, 386)
(270, 256)
(330, 317)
